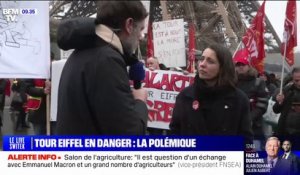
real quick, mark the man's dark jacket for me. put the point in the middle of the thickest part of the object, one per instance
(94, 94)
(291, 93)
(37, 116)
(282, 167)
(295, 163)
(255, 89)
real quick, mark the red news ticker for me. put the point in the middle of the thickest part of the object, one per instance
(33, 157)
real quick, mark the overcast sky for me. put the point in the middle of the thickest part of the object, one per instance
(275, 11)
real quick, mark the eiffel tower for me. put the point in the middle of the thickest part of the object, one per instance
(216, 21)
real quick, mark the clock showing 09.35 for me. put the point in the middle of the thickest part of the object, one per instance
(28, 11)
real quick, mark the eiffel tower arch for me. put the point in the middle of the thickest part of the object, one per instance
(216, 21)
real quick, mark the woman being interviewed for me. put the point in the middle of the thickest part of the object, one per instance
(213, 105)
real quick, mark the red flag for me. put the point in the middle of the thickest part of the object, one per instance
(254, 40)
(241, 56)
(290, 32)
(191, 54)
(150, 47)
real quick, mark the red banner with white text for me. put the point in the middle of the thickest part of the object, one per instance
(254, 40)
(163, 88)
(290, 32)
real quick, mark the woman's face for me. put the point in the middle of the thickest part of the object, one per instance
(208, 65)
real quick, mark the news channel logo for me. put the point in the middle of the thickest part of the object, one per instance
(11, 14)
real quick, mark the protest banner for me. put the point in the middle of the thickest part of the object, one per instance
(163, 87)
(166, 34)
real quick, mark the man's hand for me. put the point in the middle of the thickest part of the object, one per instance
(296, 108)
(47, 89)
(140, 94)
(280, 98)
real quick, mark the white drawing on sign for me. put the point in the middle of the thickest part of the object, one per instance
(16, 34)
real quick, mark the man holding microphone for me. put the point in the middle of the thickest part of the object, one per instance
(94, 95)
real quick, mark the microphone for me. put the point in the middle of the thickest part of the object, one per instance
(137, 84)
(137, 74)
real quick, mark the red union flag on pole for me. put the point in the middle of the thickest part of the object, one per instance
(254, 40)
(290, 32)
(191, 54)
(150, 48)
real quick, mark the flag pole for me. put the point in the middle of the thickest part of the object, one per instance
(237, 48)
(283, 58)
(48, 115)
(48, 120)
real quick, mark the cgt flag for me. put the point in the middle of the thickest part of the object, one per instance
(253, 40)
(290, 32)
(191, 54)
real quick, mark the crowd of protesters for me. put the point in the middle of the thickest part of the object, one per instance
(228, 96)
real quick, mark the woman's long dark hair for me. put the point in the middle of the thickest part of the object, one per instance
(227, 75)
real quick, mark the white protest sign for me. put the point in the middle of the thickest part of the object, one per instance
(168, 40)
(57, 67)
(24, 39)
